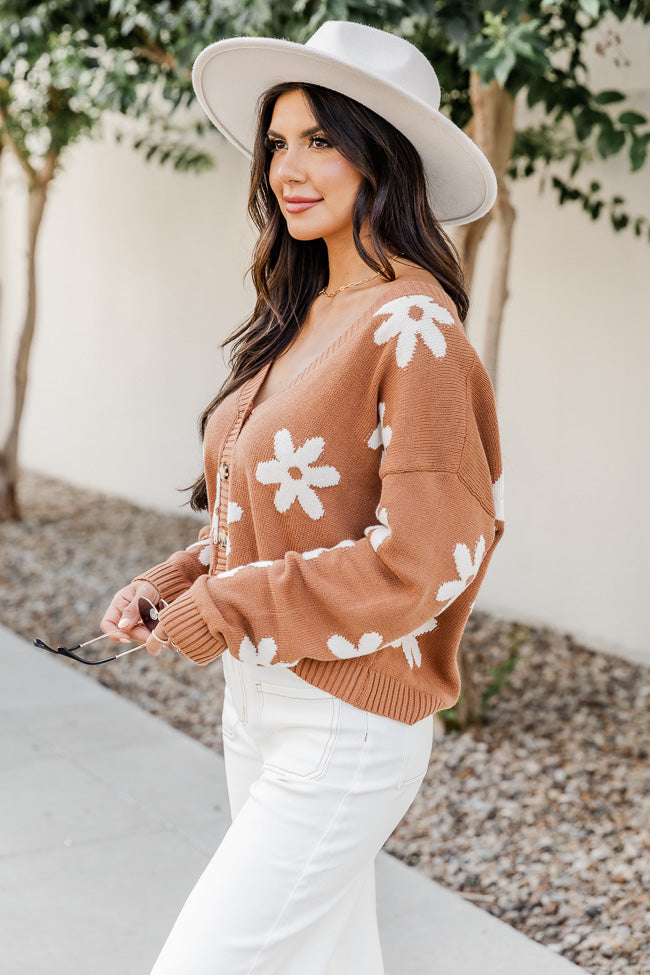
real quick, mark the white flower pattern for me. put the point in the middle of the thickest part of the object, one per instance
(315, 552)
(238, 568)
(215, 513)
(234, 514)
(205, 553)
(497, 491)
(410, 645)
(378, 533)
(261, 655)
(204, 550)
(467, 568)
(408, 317)
(382, 434)
(345, 649)
(288, 458)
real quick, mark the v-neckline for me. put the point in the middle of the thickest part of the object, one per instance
(369, 313)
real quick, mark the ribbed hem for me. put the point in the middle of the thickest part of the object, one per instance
(371, 691)
(188, 631)
(167, 580)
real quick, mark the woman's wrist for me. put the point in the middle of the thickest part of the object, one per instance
(157, 598)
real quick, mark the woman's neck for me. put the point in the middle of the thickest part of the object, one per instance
(345, 264)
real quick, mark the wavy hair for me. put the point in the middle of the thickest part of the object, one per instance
(288, 274)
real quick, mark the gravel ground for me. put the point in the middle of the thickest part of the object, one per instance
(540, 816)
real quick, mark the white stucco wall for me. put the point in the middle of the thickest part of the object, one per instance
(574, 398)
(574, 402)
(140, 280)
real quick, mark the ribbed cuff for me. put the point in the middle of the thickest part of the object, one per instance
(167, 580)
(187, 629)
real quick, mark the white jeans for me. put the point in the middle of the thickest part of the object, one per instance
(316, 786)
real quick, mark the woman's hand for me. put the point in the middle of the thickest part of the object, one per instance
(157, 641)
(122, 618)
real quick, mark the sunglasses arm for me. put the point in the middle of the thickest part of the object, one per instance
(69, 652)
(148, 617)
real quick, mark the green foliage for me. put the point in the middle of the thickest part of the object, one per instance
(537, 49)
(593, 204)
(500, 678)
(65, 63)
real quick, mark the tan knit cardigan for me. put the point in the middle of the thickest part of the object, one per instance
(354, 514)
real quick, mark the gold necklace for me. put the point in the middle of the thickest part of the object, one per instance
(344, 287)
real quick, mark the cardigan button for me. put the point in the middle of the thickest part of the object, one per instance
(223, 537)
(224, 471)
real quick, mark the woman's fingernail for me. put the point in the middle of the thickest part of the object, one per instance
(125, 640)
(123, 622)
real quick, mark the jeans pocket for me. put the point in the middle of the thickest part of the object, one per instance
(417, 742)
(235, 690)
(301, 729)
(229, 716)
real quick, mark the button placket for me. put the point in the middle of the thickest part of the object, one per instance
(246, 397)
(224, 494)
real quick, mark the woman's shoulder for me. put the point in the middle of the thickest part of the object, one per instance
(411, 282)
(415, 327)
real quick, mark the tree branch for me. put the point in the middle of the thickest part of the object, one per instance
(9, 141)
(151, 51)
(156, 56)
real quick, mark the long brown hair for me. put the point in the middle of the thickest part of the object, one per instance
(289, 273)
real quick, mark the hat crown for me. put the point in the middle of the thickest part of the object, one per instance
(376, 52)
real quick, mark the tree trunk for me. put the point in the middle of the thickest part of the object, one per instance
(492, 129)
(505, 217)
(467, 239)
(38, 187)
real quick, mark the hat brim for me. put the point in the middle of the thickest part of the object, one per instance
(229, 77)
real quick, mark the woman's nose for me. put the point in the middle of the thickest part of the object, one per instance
(289, 168)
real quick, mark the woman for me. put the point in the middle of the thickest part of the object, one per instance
(353, 479)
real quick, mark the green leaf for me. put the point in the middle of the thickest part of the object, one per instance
(638, 152)
(504, 65)
(536, 91)
(127, 25)
(584, 121)
(610, 140)
(590, 7)
(632, 119)
(608, 97)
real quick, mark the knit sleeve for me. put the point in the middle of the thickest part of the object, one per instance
(177, 573)
(435, 526)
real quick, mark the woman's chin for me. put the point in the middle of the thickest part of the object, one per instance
(303, 233)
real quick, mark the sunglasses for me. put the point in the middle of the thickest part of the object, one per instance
(148, 617)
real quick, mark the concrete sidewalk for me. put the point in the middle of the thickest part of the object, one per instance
(108, 816)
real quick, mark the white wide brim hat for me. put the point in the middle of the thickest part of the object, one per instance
(385, 73)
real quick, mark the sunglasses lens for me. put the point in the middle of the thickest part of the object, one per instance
(148, 613)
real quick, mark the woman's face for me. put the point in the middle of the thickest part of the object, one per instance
(315, 185)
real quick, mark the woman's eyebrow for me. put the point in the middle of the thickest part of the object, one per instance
(271, 134)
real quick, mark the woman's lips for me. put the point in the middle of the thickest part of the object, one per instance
(297, 205)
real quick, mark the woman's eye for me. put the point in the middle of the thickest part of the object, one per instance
(316, 141)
